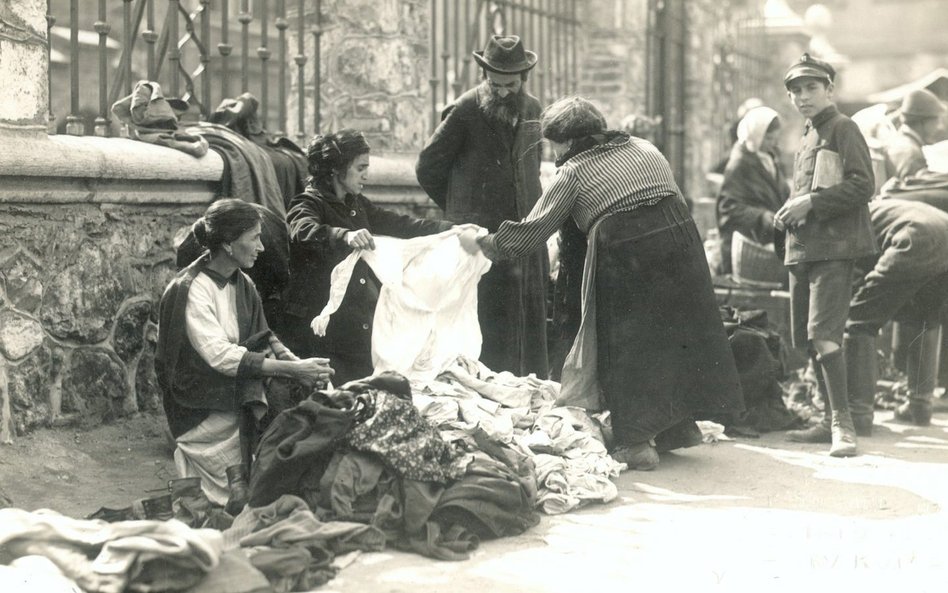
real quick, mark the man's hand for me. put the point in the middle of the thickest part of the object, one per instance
(794, 212)
(360, 239)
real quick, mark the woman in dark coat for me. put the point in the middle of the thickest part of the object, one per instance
(327, 221)
(754, 187)
(651, 347)
(214, 349)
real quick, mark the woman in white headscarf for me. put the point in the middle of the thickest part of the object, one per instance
(754, 187)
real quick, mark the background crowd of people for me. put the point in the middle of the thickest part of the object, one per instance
(637, 330)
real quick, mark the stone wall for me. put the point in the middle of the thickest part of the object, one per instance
(613, 71)
(88, 249)
(374, 64)
(79, 285)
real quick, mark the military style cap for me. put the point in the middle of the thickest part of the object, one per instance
(808, 66)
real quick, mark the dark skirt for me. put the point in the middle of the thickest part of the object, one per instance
(663, 355)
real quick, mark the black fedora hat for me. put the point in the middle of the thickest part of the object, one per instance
(504, 54)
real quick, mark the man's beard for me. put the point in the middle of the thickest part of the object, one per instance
(504, 110)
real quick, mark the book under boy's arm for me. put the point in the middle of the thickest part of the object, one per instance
(857, 183)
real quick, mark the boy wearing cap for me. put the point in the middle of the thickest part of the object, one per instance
(827, 230)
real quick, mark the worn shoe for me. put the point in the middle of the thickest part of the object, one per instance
(844, 436)
(238, 487)
(819, 433)
(641, 456)
(916, 410)
(682, 435)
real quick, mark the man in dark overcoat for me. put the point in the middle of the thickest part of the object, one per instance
(482, 166)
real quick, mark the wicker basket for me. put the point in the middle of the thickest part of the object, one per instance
(756, 264)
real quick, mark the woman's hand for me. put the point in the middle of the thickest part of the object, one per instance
(313, 370)
(794, 212)
(360, 239)
(468, 240)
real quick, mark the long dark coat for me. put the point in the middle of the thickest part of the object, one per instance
(481, 171)
(318, 221)
(748, 200)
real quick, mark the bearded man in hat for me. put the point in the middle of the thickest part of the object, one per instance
(921, 116)
(482, 166)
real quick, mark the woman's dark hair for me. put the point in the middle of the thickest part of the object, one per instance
(570, 118)
(774, 125)
(224, 221)
(328, 153)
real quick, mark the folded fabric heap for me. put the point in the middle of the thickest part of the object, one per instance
(67, 555)
(573, 467)
(152, 118)
(365, 454)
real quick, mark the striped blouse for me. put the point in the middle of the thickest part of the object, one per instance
(612, 177)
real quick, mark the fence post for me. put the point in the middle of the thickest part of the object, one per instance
(224, 48)
(281, 25)
(263, 52)
(300, 59)
(102, 28)
(74, 123)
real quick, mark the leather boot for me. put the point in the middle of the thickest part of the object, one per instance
(188, 501)
(237, 484)
(820, 433)
(861, 378)
(843, 433)
(922, 370)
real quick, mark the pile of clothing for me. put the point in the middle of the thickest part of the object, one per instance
(259, 167)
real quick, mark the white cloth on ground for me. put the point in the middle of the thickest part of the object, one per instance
(572, 465)
(207, 450)
(106, 557)
(426, 315)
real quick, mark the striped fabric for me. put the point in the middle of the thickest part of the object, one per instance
(613, 177)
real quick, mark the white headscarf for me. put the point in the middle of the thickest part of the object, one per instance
(753, 126)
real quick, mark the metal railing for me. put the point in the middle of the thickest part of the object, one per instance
(665, 77)
(458, 27)
(177, 51)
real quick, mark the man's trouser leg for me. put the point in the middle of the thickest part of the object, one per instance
(922, 370)
(861, 375)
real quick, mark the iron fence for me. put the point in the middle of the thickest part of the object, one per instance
(186, 46)
(458, 27)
